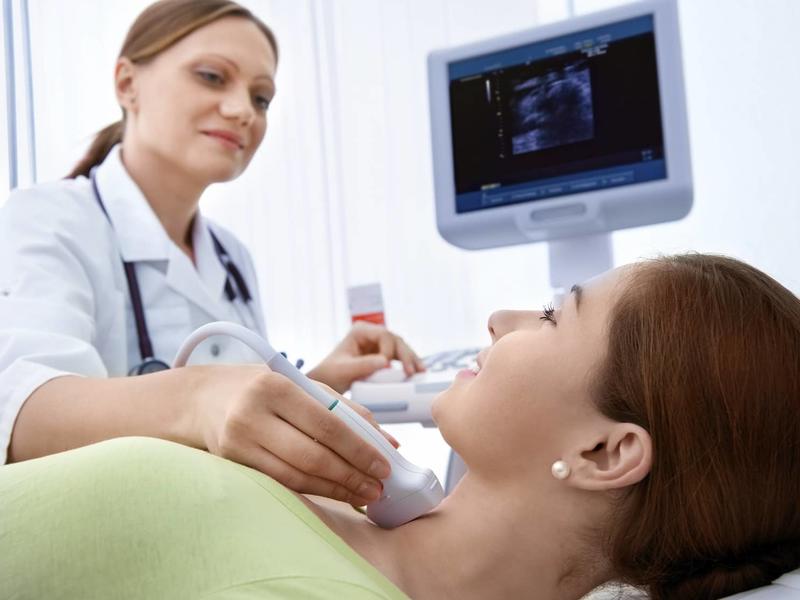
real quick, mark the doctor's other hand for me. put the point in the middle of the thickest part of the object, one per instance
(367, 348)
(261, 419)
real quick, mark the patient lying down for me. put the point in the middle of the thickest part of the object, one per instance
(646, 431)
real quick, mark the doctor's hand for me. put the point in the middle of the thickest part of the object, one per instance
(261, 419)
(367, 348)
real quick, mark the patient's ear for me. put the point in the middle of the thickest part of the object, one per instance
(618, 457)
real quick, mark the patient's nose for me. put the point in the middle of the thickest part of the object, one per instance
(502, 322)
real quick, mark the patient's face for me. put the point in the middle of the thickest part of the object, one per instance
(531, 397)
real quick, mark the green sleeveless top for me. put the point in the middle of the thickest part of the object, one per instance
(145, 518)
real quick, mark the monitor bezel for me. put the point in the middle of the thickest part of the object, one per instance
(572, 215)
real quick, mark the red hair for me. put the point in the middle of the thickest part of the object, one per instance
(704, 353)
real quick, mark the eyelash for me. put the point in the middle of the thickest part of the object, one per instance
(262, 102)
(549, 313)
(216, 79)
(211, 77)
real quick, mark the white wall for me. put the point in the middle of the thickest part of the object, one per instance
(742, 86)
(73, 49)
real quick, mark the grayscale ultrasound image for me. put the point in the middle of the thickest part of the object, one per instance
(552, 109)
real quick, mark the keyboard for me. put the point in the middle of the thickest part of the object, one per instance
(409, 401)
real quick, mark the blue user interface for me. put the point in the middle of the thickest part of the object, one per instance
(563, 116)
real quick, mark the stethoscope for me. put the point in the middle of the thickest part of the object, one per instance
(235, 287)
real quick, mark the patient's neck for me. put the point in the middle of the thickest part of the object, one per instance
(485, 542)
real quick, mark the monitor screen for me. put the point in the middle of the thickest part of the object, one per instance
(572, 114)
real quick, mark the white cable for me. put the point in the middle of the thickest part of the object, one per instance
(255, 341)
(274, 359)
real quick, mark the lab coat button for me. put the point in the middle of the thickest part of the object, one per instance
(215, 350)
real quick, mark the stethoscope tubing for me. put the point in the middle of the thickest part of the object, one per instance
(151, 364)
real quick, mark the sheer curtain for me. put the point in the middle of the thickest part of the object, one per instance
(17, 127)
(5, 142)
(73, 49)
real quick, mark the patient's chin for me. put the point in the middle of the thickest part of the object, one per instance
(436, 407)
(444, 414)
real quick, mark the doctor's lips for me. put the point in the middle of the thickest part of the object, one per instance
(230, 139)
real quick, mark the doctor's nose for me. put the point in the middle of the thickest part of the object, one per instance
(502, 322)
(237, 106)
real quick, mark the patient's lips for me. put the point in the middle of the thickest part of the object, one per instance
(473, 371)
(466, 374)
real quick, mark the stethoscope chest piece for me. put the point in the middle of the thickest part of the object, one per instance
(151, 365)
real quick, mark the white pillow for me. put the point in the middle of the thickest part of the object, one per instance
(785, 587)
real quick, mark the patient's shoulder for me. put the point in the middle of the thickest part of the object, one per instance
(136, 450)
(309, 588)
(333, 512)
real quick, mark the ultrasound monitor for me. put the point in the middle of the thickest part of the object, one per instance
(562, 133)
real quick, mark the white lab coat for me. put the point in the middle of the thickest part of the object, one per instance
(64, 301)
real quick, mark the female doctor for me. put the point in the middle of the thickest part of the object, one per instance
(103, 274)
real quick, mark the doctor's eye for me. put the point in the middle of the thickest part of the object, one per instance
(262, 102)
(211, 77)
(549, 312)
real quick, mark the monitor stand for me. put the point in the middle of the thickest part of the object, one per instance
(575, 260)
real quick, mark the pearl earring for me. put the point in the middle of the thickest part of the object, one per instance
(560, 469)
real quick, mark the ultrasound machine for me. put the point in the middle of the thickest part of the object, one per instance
(559, 134)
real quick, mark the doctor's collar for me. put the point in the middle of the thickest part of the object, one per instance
(139, 232)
